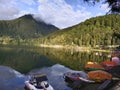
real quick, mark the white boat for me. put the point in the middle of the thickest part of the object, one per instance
(38, 82)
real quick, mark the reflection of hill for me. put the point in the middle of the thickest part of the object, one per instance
(22, 60)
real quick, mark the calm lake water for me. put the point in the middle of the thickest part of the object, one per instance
(17, 62)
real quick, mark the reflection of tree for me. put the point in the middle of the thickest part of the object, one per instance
(76, 60)
(25, 59)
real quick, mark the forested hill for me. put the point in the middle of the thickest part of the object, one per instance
(25, 27)
(103, 30)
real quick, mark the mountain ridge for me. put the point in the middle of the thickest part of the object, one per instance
(25, 27)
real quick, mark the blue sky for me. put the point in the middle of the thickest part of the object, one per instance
(61, 13)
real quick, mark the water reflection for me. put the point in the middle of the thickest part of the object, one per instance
(52, 62)
(13, 80)
(73, 59)
(55, 76)
(24, 59)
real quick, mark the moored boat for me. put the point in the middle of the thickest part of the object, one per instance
(108, 65)
(71, 77)
(99, 76)
(91, 66)
(38, 82)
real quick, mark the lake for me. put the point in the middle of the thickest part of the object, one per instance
(17, 62)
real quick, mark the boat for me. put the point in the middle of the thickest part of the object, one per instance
(108, 65)
(72, 77)
(76, 80)
(99, 76)
(38, 82)
(91, 66)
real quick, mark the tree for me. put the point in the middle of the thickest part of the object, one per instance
(114, 5)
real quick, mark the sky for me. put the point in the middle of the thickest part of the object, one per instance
(61, 13)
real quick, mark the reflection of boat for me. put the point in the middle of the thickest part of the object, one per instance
(38, 82)
(71, 77)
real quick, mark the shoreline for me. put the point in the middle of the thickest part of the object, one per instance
(67, 47)
(76, 48)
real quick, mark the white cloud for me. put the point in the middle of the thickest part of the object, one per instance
(61, 14)
(8, 9)
(28, 2)
(4, 1)
(104, 7)
(99, 14)
(56, 12)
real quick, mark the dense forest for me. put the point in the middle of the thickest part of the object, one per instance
(97, 31)
(94, 32)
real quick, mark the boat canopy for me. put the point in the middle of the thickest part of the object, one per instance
(40, 77)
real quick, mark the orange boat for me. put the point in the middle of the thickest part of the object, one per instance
(91, 66)
(99, 75)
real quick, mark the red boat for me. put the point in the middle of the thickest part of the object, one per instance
(71, 77)
(108, 65)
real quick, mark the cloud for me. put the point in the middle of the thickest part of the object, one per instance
(4, 1)
(105, 7)
(99, 14)
(56, 12)
(102, 9)
(61, 14)
(8, 9)
(28, 2)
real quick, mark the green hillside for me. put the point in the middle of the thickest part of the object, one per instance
(25, 27)
(103, 30)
